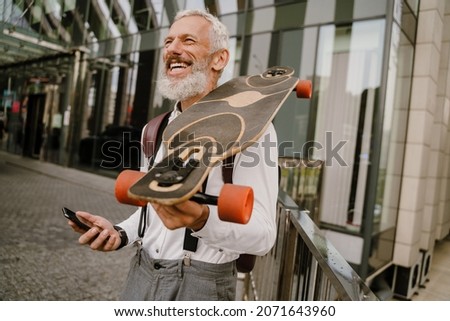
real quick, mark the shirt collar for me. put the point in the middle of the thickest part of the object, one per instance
(176, 111)
(177, 108)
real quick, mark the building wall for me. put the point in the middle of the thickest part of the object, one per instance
(423, 214)
(443, 100)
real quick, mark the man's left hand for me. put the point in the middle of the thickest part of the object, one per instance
(187, 214)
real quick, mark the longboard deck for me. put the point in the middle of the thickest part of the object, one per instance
(223, 123)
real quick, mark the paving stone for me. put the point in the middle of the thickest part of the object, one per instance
(40, 257)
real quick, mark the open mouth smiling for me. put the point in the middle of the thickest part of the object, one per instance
(178, 65)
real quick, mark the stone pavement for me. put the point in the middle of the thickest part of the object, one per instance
(40, 258)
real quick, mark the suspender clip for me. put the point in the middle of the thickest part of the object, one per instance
(187, 259)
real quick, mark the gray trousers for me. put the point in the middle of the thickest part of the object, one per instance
(170, 280)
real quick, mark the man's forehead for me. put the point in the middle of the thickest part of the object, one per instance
(190, 24)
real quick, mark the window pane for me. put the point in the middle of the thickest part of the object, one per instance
(231, 21)
(319, 11)
(398, 90)
(323, 11)
(257, 53)
(290, 16)
(292, 120)
(369, 8)
(261, 3)
(226, 6)
(261, 20)
(348, 79)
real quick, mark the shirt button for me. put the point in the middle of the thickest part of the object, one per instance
(157, 251)
(157, 266)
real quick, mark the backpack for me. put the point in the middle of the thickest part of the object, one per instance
(151, 139)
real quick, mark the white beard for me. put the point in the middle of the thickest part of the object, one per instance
(181, 89)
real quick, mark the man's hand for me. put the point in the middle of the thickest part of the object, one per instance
(187, 214)
(101, 236)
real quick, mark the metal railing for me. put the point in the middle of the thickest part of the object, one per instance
(303, 264)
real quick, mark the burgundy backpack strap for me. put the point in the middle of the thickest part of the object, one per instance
(152, 133)
(151, 138)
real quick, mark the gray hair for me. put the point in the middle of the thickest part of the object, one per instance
(219, 32)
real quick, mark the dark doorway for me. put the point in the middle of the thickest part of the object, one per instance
(34, 126)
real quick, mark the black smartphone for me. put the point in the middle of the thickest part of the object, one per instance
(73, 217)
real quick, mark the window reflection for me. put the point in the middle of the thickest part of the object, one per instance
(348, 79)
(293, 120)
(261, 20)
(257, 52)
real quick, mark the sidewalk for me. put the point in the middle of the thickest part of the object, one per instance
(40, 257)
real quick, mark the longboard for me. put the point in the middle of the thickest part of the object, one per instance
(225, 122)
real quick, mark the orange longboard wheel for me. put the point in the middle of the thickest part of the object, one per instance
(124, 181)
(304, 89)
(235, 203)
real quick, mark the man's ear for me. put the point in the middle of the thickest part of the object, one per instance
(220, 59)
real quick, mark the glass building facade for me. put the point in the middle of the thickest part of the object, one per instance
(74, 73)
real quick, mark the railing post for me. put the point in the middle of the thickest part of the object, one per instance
(286, 276)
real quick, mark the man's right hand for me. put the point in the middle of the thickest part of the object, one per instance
(101, 236)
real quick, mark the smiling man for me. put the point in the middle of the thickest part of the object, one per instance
(194, 57)
(165, 268)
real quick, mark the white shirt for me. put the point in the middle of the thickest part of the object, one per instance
(219, 241)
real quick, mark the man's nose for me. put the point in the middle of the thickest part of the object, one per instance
(174, 47)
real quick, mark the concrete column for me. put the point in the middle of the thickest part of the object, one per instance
(416, 204)
(439, 138)
(443, 99)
